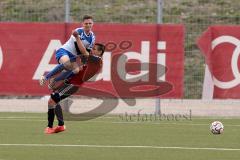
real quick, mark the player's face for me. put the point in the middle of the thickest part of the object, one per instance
(87, 25)
(96, 52)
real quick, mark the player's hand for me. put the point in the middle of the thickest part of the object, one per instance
(75, 33)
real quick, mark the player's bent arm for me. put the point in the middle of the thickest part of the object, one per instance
(80, 44)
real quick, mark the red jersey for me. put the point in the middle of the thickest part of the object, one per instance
(92, 67)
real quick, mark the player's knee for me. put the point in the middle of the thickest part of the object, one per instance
(68, 65)
(65, 60)
(51, 102)
(55, 97)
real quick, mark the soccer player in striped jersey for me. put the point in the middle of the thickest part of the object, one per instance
(92, 66)
(66, 55)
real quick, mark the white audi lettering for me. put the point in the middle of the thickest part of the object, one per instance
(161, 59)
(105, 74)
(143, 58)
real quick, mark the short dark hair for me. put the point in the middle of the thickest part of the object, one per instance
(87, 17)
(100, 47)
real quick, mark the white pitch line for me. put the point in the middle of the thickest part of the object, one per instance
(175, 123)
(115, 146)
(21, 119)
(38, 119)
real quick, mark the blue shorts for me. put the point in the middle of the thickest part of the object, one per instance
(61, 52)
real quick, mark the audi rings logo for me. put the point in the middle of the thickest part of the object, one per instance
(1, 57)
(234, 60)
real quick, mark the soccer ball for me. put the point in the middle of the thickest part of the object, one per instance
(216, 127)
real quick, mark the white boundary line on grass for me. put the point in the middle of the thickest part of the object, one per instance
(17, 117)
(174, 123)
(35, 119)
(22, 119)
(119, 146)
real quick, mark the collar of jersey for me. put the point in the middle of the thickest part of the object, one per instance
(86, 34)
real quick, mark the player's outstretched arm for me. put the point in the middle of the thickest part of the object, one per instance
(80, 44)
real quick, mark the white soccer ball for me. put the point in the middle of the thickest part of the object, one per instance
(216, 127)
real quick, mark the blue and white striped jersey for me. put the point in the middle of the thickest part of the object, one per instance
(88, 41)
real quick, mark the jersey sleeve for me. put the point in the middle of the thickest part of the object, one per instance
(79, 30)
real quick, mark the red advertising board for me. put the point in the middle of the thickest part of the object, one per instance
(27, 52)
(221, 47)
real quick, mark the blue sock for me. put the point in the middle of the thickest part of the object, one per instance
(55, 70)
(64, 75)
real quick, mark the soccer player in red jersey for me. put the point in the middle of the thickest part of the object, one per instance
(70, 86)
